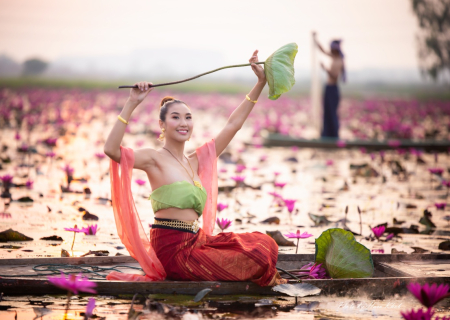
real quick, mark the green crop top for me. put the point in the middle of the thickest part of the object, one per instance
(180, 194)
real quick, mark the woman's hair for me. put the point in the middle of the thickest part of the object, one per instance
(165, 103)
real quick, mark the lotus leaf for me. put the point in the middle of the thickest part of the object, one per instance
(279, 70)
(342, 255)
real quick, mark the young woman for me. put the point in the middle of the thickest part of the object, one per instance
(331, 95)
(184, 188)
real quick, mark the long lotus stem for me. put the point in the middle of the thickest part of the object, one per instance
(175, 82)
(69, 294)
(74, 234)
(296, 249)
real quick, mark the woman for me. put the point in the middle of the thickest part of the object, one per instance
(184, 188)
(332, 96)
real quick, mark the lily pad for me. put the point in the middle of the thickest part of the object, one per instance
(342, 255)
(279, 70)
(297, 289)
(12, 235)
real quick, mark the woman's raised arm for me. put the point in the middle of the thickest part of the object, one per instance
(112, 145)
(240, 114)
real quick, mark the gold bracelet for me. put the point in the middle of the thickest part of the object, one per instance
(122, 119)
(248, 98)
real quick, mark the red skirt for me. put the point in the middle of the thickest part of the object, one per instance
(227, 256)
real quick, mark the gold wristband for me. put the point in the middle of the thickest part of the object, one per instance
(248, 98)
(122, 119)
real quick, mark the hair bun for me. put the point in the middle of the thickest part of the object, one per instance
(165, 99)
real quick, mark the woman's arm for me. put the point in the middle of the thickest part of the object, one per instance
(112, 145)
(240, 114)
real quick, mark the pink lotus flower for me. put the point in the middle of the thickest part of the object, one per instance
(238, 179)
(276, 173)
(6, 179)
(51, 142)
(223, 170)
(100, 155)
(73, 283)
(440, 206)
(223, 223)
(420, 314)
(50, 154)
(74, 229)
(329, 162)
(274, 194)
(436, 171)
(377, 250)
(312, 271)
(263, 158)
(279, 184)
(89, 308)
(68, 170)
(298, 236)
(17, 136)
(221, 206)
(140, 182)
(341, 143)
(290, 203)
(389, 236)
(240, 168)
(446, 183)
(429, 295)
(378, 231)
(29, 184)
(90, 230)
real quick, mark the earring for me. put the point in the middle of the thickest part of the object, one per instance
(161, 136)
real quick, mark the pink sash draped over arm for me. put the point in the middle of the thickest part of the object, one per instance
(128, 223)
(207, 171)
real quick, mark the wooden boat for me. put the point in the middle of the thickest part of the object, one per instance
(278, 140)
(392, 274)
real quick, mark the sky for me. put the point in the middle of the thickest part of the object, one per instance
(375, 33)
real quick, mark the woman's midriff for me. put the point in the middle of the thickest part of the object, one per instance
(188, 215)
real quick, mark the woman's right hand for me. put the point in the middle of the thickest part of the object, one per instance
(138, 94)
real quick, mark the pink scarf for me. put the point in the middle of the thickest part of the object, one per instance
(129, 226)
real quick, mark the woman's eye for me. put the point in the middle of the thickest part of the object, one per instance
(189, 118)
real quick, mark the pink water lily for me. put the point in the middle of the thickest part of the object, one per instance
(74, 229)
(429, 295)
(436, 171)
(389, 236)
(100, 155)
(89, 308)
(341, 143)
(73, 283)
(279, 184)
(312, 271)
(420, 314)
(223, 170)
(378, 231)
(29, 184)
(68, 170)
(223, 223)
(221, 206)
(440, 206)
(50, 154)
(238, 179)
(329, 162)
(140, 182)
(240, 168)
(298, 236)
(17, 136)
(7, 178)
(290, 203)
(90, 230)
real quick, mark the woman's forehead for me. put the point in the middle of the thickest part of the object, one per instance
(180, 108)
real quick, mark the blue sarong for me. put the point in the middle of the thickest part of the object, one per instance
(331, 99)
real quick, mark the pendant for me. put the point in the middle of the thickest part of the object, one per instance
(197, 184)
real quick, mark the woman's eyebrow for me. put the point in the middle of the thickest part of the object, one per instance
(188, 114)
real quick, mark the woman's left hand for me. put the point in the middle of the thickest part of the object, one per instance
(257, 68)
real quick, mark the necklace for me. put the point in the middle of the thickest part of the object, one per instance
(196, 183)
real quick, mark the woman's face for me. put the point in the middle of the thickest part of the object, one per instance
(179, 123)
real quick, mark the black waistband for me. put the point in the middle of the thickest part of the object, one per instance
(158, 226)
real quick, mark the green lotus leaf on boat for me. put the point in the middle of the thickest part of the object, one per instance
(342, 255)
(279, 70)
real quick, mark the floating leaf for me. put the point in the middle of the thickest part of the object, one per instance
(318, 220)
(297, 289)
(271, 220)
(342, 255)
(445, 245)
(52, 238)
(25, 199)
(200, 295)
(279, 239)
(12, 235)
(279, 70)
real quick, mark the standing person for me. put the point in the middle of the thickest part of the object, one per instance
(332, 96)
(184, 188)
